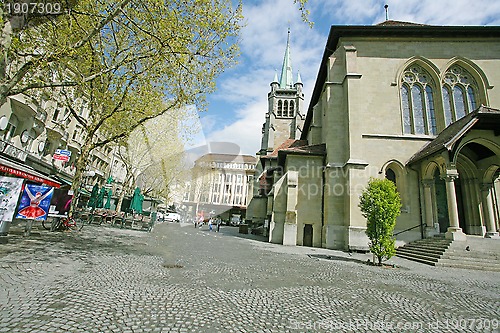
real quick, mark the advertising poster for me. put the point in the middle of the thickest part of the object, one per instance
(10, 188)
(35, 202)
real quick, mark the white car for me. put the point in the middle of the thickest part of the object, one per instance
(172, 217)
(159, 216)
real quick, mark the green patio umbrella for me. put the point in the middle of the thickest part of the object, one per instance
(141, 200)
(108, 200)
(100, 198)
(93, 196)
(136, 203)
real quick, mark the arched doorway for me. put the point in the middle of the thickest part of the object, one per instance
(477, 164)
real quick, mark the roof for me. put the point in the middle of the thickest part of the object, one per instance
(399, 23)
(212, 157)
(482, 118)
(288, 143)
(286, 80)
(312, 150)
(389, 29)
(319, 149)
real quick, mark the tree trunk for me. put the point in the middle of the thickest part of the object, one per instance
(81, 164)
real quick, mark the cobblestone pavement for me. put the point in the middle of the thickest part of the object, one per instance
(181, 279)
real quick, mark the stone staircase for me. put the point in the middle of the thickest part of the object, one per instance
(475, 253)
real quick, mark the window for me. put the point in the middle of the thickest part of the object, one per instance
(11, 128)
(459, 93)
(55, 116)
(391, 175)
(286, 109)
(417, 101)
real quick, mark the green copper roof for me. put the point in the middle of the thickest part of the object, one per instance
(286, 80)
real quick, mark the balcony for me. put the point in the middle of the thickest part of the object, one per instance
(22, 106)
(12, 151)
(75, 145)
(56, 131)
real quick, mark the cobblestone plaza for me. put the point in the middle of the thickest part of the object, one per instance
(181, 279)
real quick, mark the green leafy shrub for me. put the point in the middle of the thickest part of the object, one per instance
(380, 204)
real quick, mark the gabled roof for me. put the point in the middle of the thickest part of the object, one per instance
(399, 23)
(482, 118)
(390, 29)
(319, 149)
(288, 143)
(312, 150)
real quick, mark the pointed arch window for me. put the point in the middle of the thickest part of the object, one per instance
(459, 93)
(291, 110)
(417, 101)
(280, 108)
(285, 109)
(391, 175)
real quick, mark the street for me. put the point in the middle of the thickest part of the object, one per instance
(181, 279)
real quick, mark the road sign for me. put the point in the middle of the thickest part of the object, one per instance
(63, 152)
(64, 158)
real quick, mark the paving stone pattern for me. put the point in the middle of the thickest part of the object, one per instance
(181, 279)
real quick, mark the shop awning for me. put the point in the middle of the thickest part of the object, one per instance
(23, 171)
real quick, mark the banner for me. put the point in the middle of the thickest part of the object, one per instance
(10, 188)
(35, 202)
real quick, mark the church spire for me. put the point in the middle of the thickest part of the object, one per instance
(286, 80)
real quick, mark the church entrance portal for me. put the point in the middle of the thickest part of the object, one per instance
(308, 235)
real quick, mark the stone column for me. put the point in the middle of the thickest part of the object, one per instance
(429, 218)
(489, 213)
(290, 226)
(454, 231)
(430, 226)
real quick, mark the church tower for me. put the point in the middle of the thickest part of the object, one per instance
(284, 118)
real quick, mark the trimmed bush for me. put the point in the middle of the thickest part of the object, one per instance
(380, 204)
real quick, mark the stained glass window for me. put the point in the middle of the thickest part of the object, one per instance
(417, 101)
(460, 98)
(406, 109)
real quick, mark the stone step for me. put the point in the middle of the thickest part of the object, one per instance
(420, 259)
(466, 264)
(429, 252)
(432, 241)
(441, 248)
(474, 255)
(471, 257)
(423, 256)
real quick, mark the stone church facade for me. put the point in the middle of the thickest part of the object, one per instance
(416, 104)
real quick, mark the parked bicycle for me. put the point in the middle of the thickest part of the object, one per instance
(65, 223)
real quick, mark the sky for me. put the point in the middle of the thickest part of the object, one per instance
(237, 109)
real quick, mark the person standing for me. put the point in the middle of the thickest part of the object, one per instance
(210, 224)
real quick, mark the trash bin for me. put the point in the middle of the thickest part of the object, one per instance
(243, 229)
(4, 227)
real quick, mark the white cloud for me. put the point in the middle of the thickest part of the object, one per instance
(263, 46)
(264, 39)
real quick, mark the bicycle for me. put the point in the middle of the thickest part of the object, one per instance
(61, 224)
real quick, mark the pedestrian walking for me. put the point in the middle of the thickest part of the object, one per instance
(210, 224)
(218, 224)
